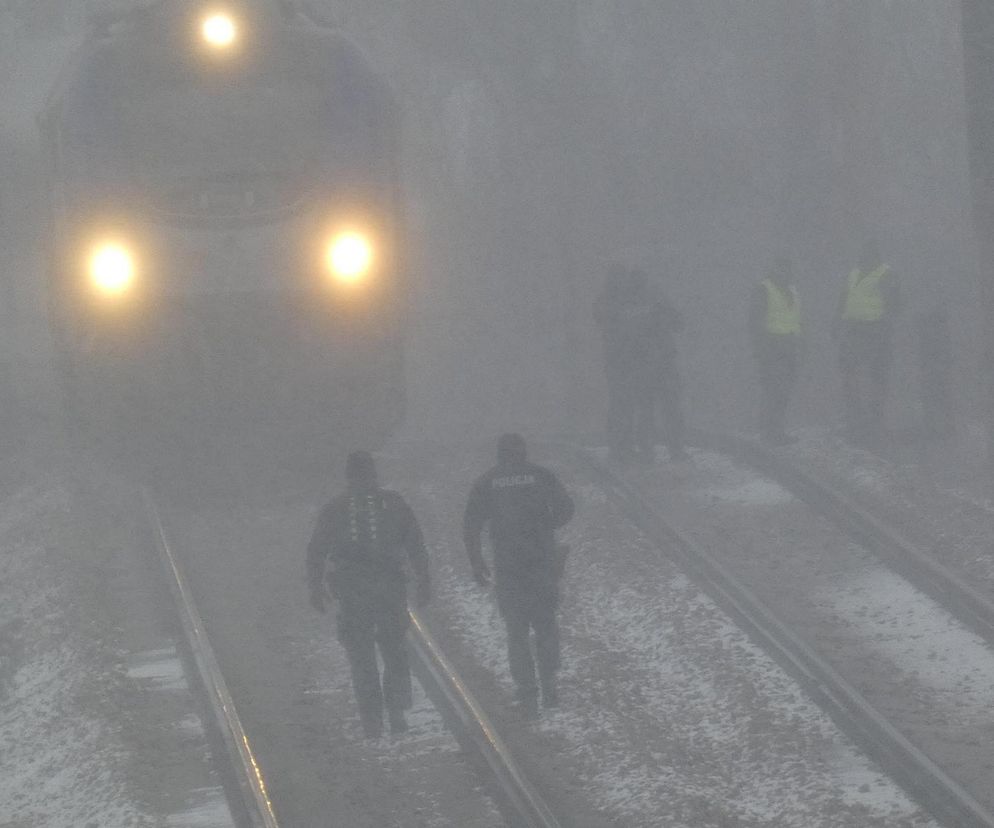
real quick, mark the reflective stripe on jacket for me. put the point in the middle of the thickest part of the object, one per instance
(864, 298)
(783, 309)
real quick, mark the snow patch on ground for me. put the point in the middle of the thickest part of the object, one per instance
(917, 636)
(61, 763)
(736, 484)
(212, 812)
(872, 479)
(691, 700)
(159, 670)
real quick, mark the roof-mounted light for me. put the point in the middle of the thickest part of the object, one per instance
(349, 256)
(219, 30)
(111, 268)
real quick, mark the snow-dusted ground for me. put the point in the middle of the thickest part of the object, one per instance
(916, 663)
(89, 726)
(291, 682)
(943, 512)
(62, 760)
(671, 715)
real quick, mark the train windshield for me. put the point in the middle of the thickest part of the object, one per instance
(237, 147)
(261, 129)
(251, 147)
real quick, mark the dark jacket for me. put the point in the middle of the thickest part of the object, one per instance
(366, 537)
(524, 504)
(638, 328)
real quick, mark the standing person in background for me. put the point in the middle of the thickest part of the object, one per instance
(364, 542)
(638, 330)
(523, 504)
(668, 383)
(865, 323)
(775, 333)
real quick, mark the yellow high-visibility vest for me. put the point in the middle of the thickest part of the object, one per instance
(783, 309)
(864, 298)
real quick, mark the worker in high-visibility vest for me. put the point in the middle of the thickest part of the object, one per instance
(775, 331)
(864, 323)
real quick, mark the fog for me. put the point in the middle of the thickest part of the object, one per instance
(701, 140)
(543, 142)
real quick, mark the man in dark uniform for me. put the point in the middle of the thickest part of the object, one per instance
(524, 504)
(638, 329)
(775, 332)
(363, 546)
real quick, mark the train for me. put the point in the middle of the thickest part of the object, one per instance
(225, 226)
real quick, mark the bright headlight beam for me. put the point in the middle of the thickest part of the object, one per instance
(349, 256)
(112, 268)
(219, 30)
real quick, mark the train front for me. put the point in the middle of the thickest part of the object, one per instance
(225, 222)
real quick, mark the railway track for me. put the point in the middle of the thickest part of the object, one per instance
(519, 800)
(922, 777)
(927, 780)
(971, 606)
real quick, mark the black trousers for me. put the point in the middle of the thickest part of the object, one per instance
(371, 616)
(634, 394)
(865, 360)
(528, 605)
(777, 360)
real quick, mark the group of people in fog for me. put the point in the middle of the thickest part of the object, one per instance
(367, 544)
(639, 328)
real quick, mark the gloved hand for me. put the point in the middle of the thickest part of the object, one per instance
(481, 573)
(319, 600)
(423, 596)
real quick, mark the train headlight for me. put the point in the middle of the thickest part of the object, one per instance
(112, 268)
(349, 257)
(219, 30)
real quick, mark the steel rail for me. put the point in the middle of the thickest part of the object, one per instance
(522, 796)
(965, 602)
(926, 782)
(251, 784)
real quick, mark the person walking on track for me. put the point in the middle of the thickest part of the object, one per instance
(523, 504)
(366, 544)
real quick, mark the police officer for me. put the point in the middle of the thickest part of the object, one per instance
(363, 543)
(523, 504)
(638, 329)
(775, 331)
(865, 322)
